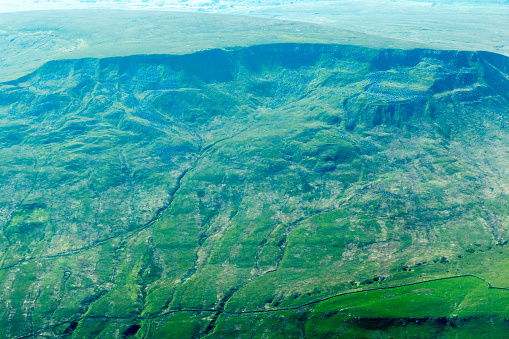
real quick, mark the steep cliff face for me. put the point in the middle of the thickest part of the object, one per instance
(246, 179)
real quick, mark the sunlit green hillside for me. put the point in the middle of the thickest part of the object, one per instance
(233, 192)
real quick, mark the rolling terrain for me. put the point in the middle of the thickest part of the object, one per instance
(284, 189)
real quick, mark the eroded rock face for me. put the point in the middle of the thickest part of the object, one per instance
(240, 179)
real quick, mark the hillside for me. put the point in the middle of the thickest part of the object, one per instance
(198, 194)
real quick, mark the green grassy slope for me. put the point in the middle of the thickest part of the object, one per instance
(143, 192)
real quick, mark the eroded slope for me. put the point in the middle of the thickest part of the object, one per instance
(244, 180)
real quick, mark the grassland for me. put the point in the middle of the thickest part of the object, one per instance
(224, 192)
(29, 39)
(458, 25)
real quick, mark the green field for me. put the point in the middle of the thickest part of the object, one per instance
(457, 307)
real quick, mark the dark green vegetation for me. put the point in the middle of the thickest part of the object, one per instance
(196, 195)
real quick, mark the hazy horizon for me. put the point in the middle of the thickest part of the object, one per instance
(218, 5)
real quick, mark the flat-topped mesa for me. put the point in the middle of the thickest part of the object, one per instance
(396, 86)
(29, 39)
